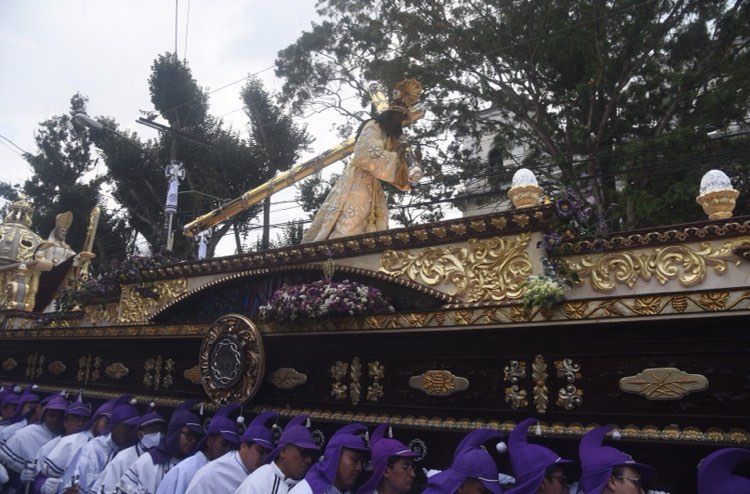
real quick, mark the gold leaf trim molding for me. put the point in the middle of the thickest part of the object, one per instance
(688, 265)
(663, 383)
(485, 270)
(134, 307)
(287, 378)
(438, 383)
(711, 435)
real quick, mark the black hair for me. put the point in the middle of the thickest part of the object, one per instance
(386, 121)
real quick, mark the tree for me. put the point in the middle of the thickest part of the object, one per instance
(225, 167)
(64, 179)
(591, 88)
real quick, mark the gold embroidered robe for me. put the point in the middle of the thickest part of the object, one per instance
(357, 204)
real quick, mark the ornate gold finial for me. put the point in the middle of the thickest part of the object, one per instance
(64, 220)
(20, 211)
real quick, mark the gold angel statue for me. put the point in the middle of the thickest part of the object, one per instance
(356, 204)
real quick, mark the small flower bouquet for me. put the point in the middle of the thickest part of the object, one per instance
(544, 291)
(322, 299)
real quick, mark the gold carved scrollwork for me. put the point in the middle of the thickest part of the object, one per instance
(513, 373)
(100, 314)
(539, 376)
(193, 374)
(35, 365)
(687, 264)
(663, 383)
(338, 373)
(492, 269)
(232, 360)
(88, 369)
(56, 368)
(287, 378)
(439, 383)
(569, 396)
(116, 371)
(355, 388)
(134, 307)
(9, 364)
(376, 373)
(157, 375)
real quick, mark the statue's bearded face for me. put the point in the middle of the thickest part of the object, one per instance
(61, 233)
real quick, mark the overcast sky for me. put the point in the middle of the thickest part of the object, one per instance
(104, 49)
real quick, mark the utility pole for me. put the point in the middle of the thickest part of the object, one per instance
(174, 172)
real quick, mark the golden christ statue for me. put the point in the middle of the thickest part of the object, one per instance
(357, 204)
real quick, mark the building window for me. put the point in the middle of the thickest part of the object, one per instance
(495, 160)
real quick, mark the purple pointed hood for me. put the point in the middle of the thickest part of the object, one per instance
(151, 417)
(123, 412)
(294, 433)
(382, 448)
(79, 408)
(57, 402)
(323, 473)
(26, 397)
(105, 410)
(6, 391)
(258, 433)
(529, 461)
(221, 424)
(597, 461)
(470, 461)
(715, 472)
(181, 417)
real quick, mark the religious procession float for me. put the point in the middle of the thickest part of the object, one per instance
(436, 329)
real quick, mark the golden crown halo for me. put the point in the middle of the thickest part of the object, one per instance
(407, 92)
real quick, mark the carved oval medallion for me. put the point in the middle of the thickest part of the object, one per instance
(232, 360)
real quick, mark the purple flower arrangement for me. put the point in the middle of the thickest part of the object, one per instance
(322, 299)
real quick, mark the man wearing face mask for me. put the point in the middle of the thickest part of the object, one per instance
(341, 466)
(150, 433)
(97, 453)
(77, 415)
(67, 451)
(221, 437)
(287, 463)
(183, 433)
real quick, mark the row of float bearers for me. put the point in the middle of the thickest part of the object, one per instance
(56, 446)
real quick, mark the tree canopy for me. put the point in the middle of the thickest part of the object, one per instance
(614, 100)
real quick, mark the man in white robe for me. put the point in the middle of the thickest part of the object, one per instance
(221, 437)
(21, 448)
(224, 475)
(76, 416)
(183, 433)
(341, 466)
(67, 451)
(150, 433)
(286, 464)
(25, 406)
(99, 451)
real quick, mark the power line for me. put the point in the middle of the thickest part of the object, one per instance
(176, 11)
(187, 26)
(15, 145)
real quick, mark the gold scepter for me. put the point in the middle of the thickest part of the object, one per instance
(87, 253)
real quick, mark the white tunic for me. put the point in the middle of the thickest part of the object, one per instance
(143, 476)
(94, 456)
(267, 479)
(11, 429)
(304, 488)
(178, 479)
(21, 448)
(221, 476)
(109, 478)
(45, 450)
(62, 454)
